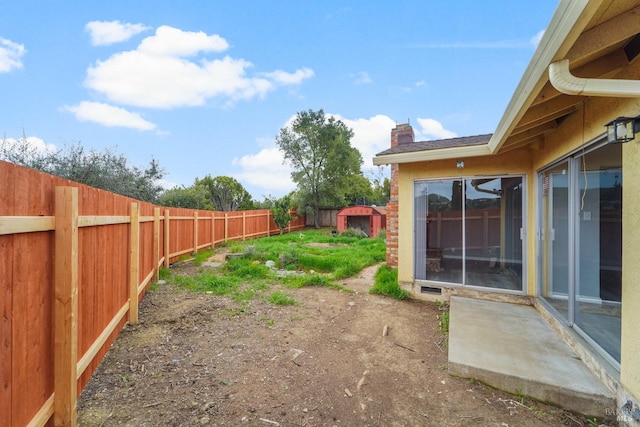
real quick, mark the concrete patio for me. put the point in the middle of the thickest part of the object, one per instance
(512, 348)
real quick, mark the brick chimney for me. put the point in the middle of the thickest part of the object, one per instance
(401, 134)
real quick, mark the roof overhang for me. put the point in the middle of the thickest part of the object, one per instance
(435, 154)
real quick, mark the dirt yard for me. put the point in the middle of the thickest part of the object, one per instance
(199, 360)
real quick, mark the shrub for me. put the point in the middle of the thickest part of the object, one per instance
(353, 232)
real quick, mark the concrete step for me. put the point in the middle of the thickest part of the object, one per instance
(512, 348)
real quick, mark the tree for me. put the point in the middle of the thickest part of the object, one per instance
(319, 150)
(281, 211)
(106, 170)
(194, 197)
(225, 193)
(359, 191)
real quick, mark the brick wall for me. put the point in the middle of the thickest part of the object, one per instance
(401, 134)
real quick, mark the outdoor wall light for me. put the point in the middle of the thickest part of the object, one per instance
(622, 129)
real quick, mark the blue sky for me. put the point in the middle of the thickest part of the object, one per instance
(205, 86)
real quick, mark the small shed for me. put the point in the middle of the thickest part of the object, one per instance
(368, 219)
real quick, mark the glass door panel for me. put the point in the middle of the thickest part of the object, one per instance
(493, 220)
(555, 237)
(599, 235)
(438, 230)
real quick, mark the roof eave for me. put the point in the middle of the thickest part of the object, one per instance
(568, 21)
(427, 155)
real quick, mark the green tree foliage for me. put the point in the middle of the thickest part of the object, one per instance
(106, 170)
(225, 193)
(281, 211)
(358, 191)
(319, 150)
(194, 197)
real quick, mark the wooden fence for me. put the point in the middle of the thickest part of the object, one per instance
(74, 263)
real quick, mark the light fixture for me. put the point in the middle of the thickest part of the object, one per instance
(622, 129)
(460, 164)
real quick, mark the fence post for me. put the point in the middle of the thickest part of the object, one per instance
(195, 232)
(66, 307)
(134, 261)
(213, 230)
(226, 226)
(244, 225)
(166, 238)
(156, 242)
(269, 223)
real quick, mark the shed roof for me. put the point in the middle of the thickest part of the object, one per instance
(598, 37)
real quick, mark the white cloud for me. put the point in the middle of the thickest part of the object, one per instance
(104, 33)
(432, 129)
(370, 136)
(11, 54)
(108, 115)
(361, 77)
(265, 170)
(35, 143)
(169, 41)
(157, 75)
(535, 40)
(282, 77)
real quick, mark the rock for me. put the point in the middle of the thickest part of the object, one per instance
(271, 264)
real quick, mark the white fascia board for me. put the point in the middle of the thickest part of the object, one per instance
(427, 155)
(559, 36)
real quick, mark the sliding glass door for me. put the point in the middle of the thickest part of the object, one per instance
(581, 242)
(468, 232)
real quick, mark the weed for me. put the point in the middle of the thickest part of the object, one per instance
(386, 283)
(443, 318)
(443, 323)
(269, 323)
(164, 274)
(592, 421)
(279, 298)
(353, 232)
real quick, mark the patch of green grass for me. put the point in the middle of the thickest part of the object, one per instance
(300, 281)
(207, 281)
(280, 298)
(202, 256)
(386, 283)
(164, 274)
(246, 269)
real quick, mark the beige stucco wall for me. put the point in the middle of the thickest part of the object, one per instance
(630, 364)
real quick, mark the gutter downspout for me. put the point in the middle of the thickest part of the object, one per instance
(561, 78)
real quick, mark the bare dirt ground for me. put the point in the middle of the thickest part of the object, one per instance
(198, 360)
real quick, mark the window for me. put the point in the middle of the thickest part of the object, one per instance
(468, 232)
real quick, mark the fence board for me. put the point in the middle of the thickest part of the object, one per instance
(6, 318)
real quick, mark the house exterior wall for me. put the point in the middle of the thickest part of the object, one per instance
(582, 126)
